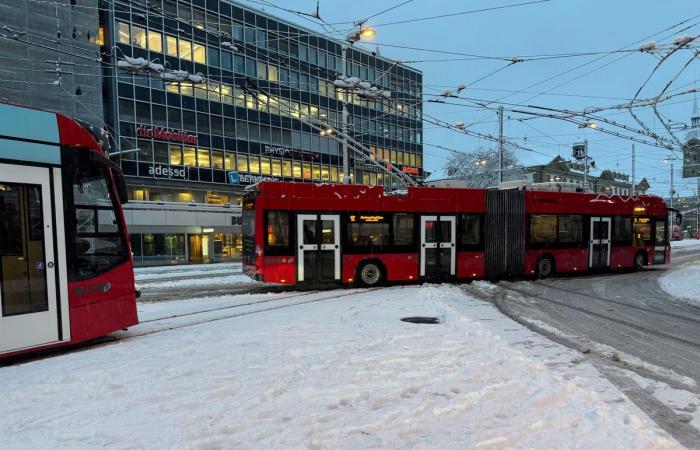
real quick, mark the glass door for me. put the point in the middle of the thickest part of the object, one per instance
(318, 243)
(438, 241)
(28, 307)
(599, 249)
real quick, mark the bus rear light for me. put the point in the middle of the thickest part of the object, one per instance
(474, 275)
(284, 260)
(410, 277)
(283, 281)
(532, 271)
(350, 280)
(575, 269)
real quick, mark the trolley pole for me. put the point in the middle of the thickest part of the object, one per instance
(345, 118)
(500, 144)
(634, 186)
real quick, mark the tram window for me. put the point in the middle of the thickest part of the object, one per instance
(97, 243)
(10, 221)
(543, 228)
(403, 229)
(570, 229)
(622, 229)
(470, 230)
(277, 229)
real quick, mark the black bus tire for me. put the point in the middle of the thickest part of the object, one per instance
(545, 267)
(370, 273)
(640, 261)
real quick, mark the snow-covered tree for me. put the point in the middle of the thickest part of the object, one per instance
(480, 167)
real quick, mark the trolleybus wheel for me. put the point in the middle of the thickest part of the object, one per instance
(639, 261)
(545, 267)
(371, 274)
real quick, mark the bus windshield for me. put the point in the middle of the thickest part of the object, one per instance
(96, 240)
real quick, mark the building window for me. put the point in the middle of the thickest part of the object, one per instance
(171, 45)
(185, 49)
(230, 160)
(254, 164)
(138, 36)
(265, 166)
(176, 155)
(296, 169)
(276, 167)
(190, 158)
(272, 74)
(242, 161)
(203, 159)
(286, 168)
(217, 159)
(200, 55)
(123, 33)
(155, 41)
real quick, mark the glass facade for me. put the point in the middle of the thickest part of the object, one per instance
(265, 81)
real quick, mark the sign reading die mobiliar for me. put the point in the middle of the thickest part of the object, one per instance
(162, 134)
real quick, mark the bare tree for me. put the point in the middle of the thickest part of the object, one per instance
(480, 167)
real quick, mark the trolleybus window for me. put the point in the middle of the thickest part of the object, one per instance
(98, 244)
(470, 230)
(642, 229)
(366, 230)
(403, 229)
(570, 229)
(543, 228)
(660, 232)
(622, 230)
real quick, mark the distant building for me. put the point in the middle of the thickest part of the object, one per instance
(601, 181)
(694, 131)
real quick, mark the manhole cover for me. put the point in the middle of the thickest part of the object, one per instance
(428, 320)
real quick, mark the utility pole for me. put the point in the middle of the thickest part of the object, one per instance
(634, 186)
(585, 165)
(671, 203)
(346, 116)
(500, 144)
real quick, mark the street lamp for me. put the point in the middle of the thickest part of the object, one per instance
(361, 32)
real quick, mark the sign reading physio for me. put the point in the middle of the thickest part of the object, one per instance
(162, 134)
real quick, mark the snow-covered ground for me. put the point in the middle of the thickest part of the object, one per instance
(686, 244)
(339, 373)
(165, 272)
(683, 282)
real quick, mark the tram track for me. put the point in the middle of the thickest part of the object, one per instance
(332, 296)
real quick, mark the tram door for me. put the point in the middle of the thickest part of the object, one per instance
(29, 315)
(599, 248)
(318, 244)
(438, 235)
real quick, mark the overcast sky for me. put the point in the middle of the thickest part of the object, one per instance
(552, 27)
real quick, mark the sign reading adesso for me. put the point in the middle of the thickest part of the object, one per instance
(162, 134)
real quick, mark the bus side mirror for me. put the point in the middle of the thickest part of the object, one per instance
(679, 218)
(120, 182)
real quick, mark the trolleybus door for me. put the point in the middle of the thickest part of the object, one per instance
(599, 248)
(318, 241)
(438, 235)
(29, 311)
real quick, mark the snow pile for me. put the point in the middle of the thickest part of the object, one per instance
(683, 282)
(341, 373)
(206, 281)
(176, 271)
(686, 244)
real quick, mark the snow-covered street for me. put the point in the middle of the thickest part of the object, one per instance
(342, 372)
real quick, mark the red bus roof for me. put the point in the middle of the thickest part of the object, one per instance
(353, 197)
(585, 203)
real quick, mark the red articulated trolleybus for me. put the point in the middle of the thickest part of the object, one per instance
(325, 233)
(66, 274)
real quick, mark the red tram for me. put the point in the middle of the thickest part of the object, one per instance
(325, 233)
(66, 274)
